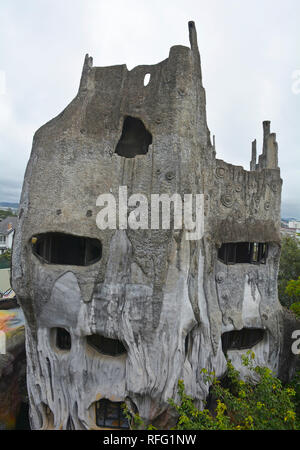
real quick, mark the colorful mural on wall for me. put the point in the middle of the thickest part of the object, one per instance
(12, 366)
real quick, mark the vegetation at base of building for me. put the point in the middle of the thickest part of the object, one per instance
(295, 384)
(5, 260)
(6, 213)
(293, 289)
(295, 307)
(241, 405)
(289, 269)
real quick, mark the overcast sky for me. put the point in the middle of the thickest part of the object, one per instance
(250, 51)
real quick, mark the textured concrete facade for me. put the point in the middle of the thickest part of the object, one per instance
(165, 300)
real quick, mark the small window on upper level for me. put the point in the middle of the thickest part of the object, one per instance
(147, 79)
(62, 339)
(135, 139)
(105, 345)
(243, 252)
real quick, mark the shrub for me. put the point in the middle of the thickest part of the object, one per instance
(243, 405)
(295, 307)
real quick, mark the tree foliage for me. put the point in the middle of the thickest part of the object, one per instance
(6, 213)
(266, 405)
(293, 289)
(5, 260)
(241, 405)
(289, 268)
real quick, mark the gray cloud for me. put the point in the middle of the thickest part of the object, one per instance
(249, 51)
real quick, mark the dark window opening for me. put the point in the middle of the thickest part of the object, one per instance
(106, 346)
(110, 414)
(63, 339)
(241, 339)
(59, 248)
(243, 252)
(70, 424)
(135, 139)
(186, 344)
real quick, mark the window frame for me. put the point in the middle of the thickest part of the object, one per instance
(101, 407)
(260, 249)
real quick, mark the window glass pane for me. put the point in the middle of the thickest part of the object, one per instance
(110, 414)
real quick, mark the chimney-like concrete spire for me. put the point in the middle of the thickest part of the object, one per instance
(269, 157)
(194, 46)
(267, 130)
(253, 156)
(87, 65)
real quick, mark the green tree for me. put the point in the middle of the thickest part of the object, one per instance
(293, 289)
(5, 260)
(289, 267)
(6, 213)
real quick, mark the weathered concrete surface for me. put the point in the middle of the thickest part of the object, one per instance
(166, 298)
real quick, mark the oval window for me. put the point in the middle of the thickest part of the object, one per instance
(60, 248)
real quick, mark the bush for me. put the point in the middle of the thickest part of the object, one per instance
(243, 405)
(295, 307)
(295, 384)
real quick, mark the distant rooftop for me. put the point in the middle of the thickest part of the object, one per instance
(8, 224)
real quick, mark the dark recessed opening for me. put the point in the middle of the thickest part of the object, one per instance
(106, 346)
(186, 344)
(70, 424)
(243, 252)
(63, 339)
(135, 139)
(110, 414)
(241, 339)
(60, 248)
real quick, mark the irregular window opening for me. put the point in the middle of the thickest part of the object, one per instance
(106, 346)
(60, 248)
(135, 139)
(147, 79)
(63, 339)
(186, 344)
(241, 339)
(243, 252)
(110, 414)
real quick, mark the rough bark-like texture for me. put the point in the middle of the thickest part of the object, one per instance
(168, 299)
